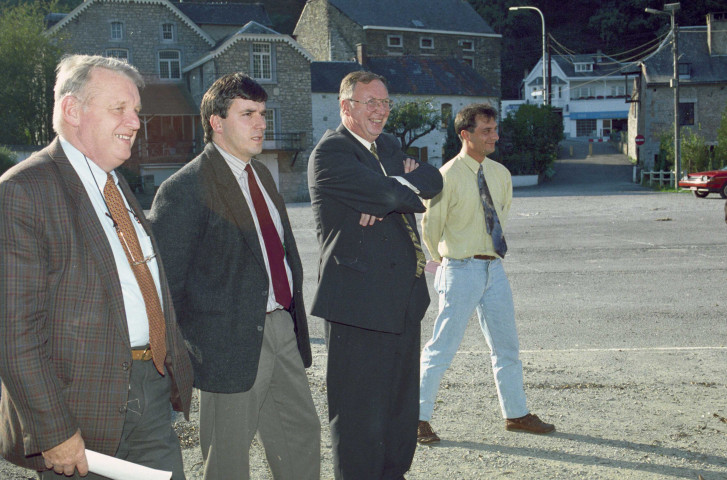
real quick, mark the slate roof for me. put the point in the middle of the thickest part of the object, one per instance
(408, 75)
(693, 49)
(443, 15)
(607, 66)
(224, 13)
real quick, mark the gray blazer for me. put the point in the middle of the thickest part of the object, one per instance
(217, 273)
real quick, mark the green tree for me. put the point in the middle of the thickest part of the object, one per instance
(410, 121)
(529, 140)
(7, 159)
(27, 73)
(452, 143)
(694, 151)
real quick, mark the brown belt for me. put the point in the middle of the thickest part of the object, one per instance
(142, 354)
(484, 257)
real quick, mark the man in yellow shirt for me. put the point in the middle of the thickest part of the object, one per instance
(462, 229)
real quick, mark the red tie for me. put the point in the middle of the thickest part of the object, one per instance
(273, 245)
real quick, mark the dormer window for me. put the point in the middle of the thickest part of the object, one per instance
(584, 67)
(685, 70)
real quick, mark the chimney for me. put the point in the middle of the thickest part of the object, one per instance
(717, 33)
(361, 54)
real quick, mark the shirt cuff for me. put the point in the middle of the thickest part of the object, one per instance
(406, 183)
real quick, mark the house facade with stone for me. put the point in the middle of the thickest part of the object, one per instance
(702, 90)
(331, 30)
(181, 48)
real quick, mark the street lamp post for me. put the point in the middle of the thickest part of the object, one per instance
(670, 9)
(546, 94)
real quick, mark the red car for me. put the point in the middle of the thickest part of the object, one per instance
(704, 183)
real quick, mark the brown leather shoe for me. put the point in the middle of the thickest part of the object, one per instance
(425, 434)
(529, 423)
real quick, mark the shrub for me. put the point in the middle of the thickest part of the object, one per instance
(7, 159)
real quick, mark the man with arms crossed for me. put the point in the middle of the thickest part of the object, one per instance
(371, 288)
(90, 353)
(237, 280)
(462, 229)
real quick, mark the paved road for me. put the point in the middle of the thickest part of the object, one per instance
(619, 295)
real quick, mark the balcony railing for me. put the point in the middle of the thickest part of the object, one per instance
(285, 141)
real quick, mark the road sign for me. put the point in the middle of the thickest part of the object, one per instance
(639, 140)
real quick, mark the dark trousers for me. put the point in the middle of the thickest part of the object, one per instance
(148, 437)
(373, 400)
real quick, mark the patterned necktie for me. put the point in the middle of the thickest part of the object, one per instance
(273, 245)
(130, 243)
(492, 222)
(421, 259)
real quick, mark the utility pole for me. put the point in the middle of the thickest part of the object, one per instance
(671, 9)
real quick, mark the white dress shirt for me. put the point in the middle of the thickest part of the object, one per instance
(94, 179)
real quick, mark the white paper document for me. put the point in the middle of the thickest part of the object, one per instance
(117, 469)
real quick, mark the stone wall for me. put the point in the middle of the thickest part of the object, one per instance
(90, 34)
(289, 95)
(657, 114)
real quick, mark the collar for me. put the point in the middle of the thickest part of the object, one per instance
(362, 140)
(86, 168)
(236, 165)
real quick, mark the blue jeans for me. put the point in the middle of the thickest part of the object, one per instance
(463, 286)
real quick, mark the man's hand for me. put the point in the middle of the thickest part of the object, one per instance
(68, 456)
(368, 220)
(410, 165)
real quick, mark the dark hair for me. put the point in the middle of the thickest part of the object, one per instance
(466, 118)
(223, 92)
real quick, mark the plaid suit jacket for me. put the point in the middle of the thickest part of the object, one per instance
(65, 357)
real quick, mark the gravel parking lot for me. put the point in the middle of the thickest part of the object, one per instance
(619, 301)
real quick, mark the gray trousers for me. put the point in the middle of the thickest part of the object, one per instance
(148, 437)
(279, 407)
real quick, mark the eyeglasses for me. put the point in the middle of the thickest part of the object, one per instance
(372, 104)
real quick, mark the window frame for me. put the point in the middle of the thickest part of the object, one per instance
(169, 62)
(422, 41)
(116, 34)
(398, 38)
(172, 32)
(465, 48)
(108, 52)
(260, 56)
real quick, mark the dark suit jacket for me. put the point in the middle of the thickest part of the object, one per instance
(366, 275)
(65, 355)
(217, 272)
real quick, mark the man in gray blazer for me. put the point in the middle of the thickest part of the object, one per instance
(236, 280)
(83, 295)
(371, 287)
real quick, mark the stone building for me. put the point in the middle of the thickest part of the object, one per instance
(702, 89)
(332, 29)
(183, 47)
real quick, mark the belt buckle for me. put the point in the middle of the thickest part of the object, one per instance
(146, 355)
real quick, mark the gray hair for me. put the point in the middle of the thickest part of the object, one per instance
(349, 82)
(73, 73)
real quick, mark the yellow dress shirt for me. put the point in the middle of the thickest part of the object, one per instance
(454, 224)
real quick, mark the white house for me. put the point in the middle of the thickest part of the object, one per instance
(590, 91)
